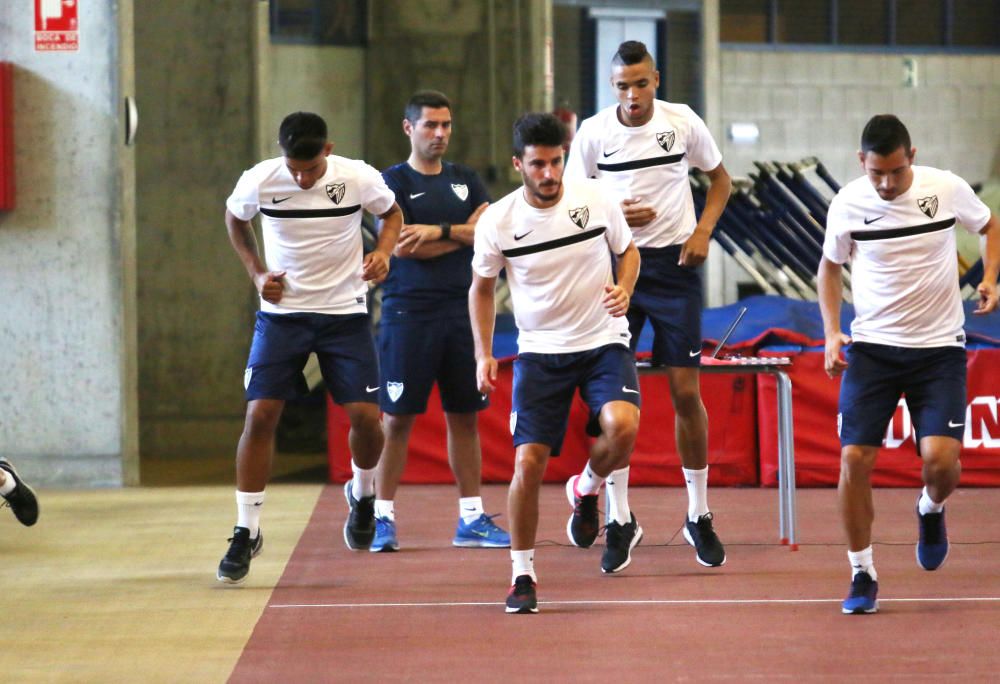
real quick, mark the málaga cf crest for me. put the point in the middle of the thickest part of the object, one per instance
(928, 205)
(335, 191)
(580, 216)
(461, 190)
(666, 140)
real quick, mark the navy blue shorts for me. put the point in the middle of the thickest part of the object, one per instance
(415, 354)
(282, 344)
(877, 375)
(670, 297)
(544, 385)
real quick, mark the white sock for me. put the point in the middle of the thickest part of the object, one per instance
(927, 505)
(617, 489)
(384, 509)
(524, 564)
(697, 486)
(589, 482)
(363, 483)
(248, 505)
(861, 561)
(470, 508)
(8, 484)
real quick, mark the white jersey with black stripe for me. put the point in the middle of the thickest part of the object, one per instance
(313, 235)
(558, 262)
(904, 268)
(650, 162)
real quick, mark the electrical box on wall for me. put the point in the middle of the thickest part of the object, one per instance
(6, 136)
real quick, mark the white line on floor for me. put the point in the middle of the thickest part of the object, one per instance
(636, 602)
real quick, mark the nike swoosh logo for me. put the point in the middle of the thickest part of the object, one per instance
(626, 389)
(275, 200)
(694, 353)
(416, 195)
(371, 389)
(877, 218)
(479, 534)
(259, 503)
(608, 154)
(518, 237)
(953, 424)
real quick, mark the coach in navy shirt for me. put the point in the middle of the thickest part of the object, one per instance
(425, 335)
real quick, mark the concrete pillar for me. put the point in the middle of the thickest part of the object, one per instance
(67, 400)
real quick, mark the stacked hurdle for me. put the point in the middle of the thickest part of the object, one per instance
(774, 225)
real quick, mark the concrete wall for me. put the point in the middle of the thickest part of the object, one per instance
(446, 46)
(816, 103)
(65, 257)
(328, 80)
(196, 89)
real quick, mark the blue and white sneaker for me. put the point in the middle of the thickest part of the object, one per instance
(932, 547)
(480, 533)
(863, 597)
(385, 536)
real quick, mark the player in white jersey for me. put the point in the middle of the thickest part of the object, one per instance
(895, 227)
(313, 299)
(641, 150)
(556, 242)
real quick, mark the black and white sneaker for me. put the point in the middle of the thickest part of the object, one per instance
(620, 540)
(22, 499)
(235, 564)
(521, 597)
(708, 549)
(584, 524)
(359, 529)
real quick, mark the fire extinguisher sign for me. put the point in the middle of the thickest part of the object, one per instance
(56, 25)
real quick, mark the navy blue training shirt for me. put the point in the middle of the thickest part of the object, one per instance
(438, 286)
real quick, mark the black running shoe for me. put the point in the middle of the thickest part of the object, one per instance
(359, 529)
(521, 597)
(22, 500)
(708, 548)
(584, 524)
(620, 540)
(235, 564)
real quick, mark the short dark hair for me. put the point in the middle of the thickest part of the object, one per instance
(537, 128)
(632, 52)
(425, 98)
(302, 135)
(884, 134)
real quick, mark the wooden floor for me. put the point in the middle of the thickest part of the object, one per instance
(119, 586)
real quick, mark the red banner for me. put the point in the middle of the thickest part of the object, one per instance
(729, 399)
(817, 447)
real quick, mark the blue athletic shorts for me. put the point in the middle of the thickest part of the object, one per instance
(877, 375)
(415, 354)
(544, 385)
(670, 297)
(281, 346)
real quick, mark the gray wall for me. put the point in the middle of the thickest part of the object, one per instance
(816, 103)
(445, 46)
(196, 93)
(67, 394)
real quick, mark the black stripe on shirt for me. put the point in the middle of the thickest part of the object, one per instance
(554, 244)
(310, 213)
(642, 163)
(889, 233)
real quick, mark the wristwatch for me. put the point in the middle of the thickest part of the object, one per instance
(445, 230)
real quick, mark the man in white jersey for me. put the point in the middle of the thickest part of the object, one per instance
(641, 150)
(313, 299)
(895, 226)
(556, 242)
